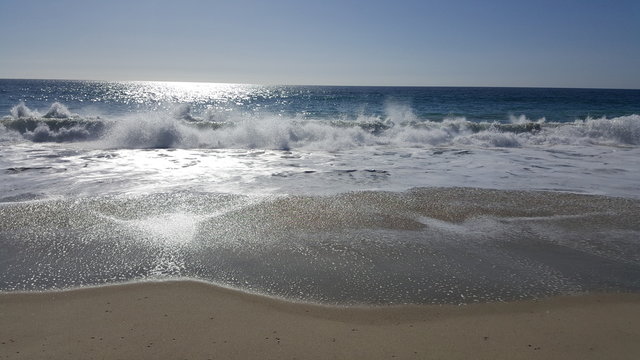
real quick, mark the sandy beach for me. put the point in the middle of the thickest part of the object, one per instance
(194, 320)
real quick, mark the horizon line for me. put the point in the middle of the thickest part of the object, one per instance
(330, 85)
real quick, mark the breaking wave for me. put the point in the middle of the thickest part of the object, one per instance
(181, 129)
(58, 124)
(56, 111)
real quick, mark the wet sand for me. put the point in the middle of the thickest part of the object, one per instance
(193, 320)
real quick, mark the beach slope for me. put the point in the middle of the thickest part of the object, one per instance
(194, 320)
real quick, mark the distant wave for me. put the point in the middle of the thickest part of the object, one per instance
(181, 129)
(58, 124)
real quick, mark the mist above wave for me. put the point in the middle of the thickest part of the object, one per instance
(55, 111)
(400, 127)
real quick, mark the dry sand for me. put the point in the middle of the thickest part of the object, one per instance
(192, 320)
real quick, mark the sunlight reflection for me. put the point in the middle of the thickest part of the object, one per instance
(191, 92)
(175, 227)
(166, 169)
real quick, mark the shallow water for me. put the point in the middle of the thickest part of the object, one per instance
(423, 246)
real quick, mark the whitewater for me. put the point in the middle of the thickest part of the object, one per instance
(324, 194)
(247, 153)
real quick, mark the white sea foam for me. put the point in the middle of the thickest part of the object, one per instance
(8, 135)
(42, 133)
(22, 111)
(489, 138)
(522, 119)
(58, 111)
(149, 132)
(400, 127)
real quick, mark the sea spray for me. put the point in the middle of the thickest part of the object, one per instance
(22, 111)
(181, 129)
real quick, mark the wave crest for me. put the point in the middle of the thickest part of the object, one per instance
(624, 130)
(22, 111)
(149, 132)
(180, 129)
(58, 111)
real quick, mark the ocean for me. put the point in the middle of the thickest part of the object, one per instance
(337, 195)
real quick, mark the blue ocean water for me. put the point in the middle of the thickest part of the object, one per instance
(329, 194)
(323, 102)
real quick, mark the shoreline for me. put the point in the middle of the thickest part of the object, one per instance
(197, 320)
(275, 300)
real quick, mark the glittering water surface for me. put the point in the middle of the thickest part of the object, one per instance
(434, 103)
(328, 194)
(423, 246)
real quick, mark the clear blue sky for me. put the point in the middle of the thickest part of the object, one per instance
(459, 43)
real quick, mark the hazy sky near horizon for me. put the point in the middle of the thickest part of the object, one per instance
(433, 43)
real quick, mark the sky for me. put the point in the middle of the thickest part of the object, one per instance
(406, 43)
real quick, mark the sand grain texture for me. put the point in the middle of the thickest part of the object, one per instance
(192, 320)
